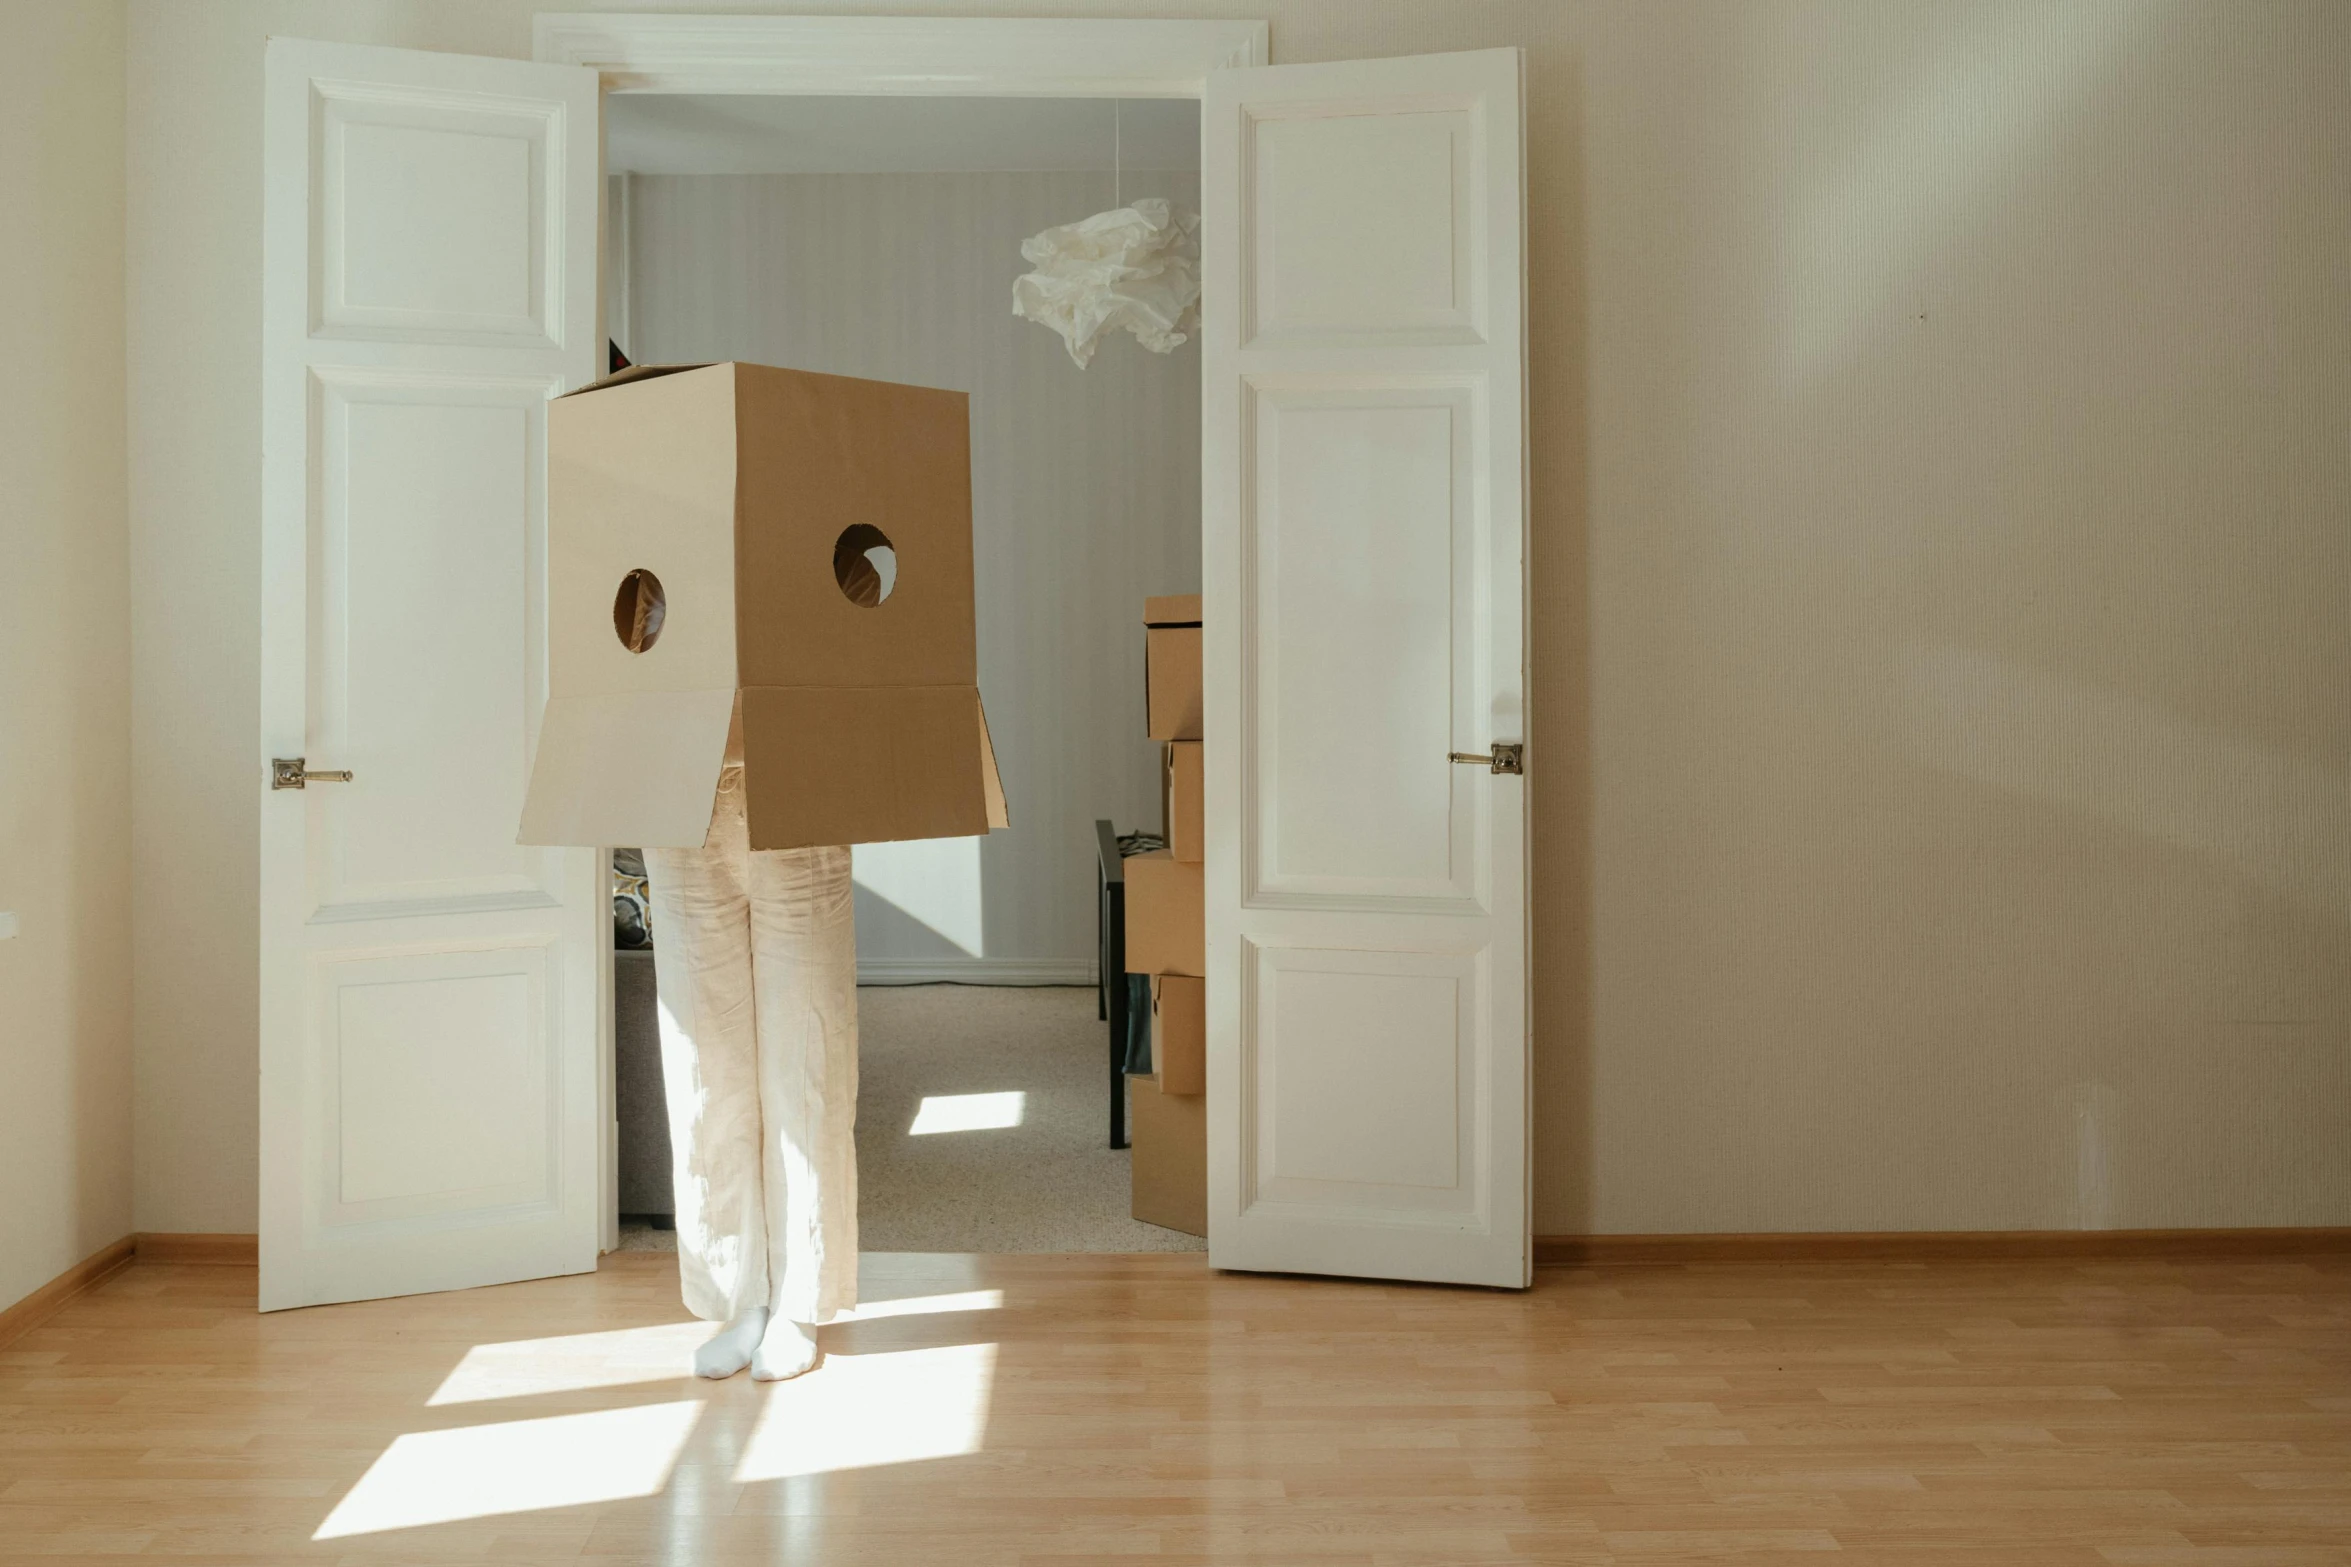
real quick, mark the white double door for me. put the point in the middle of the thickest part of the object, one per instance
(433, 997)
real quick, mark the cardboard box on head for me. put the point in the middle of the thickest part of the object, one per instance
(793, 547)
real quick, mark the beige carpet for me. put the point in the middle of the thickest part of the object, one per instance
(1051, 1182)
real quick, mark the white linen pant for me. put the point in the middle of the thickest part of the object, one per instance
(755, 958)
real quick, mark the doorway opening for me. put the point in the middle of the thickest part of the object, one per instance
(879, 237)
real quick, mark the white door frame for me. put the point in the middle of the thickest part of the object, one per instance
(900, 56)
(840, 56)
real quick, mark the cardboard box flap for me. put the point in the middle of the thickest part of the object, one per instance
(1169, 1167)
(863, 764)
(1172, 609)
(632, 373)
(1179, 1031)
(634, 767)
(1182, 800)
(999, 814)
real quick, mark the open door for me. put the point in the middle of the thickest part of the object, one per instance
(1364, 500)
(430, 992)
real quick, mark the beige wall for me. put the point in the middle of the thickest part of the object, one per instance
(65, 980)
(1942, 597)
(1969, 530)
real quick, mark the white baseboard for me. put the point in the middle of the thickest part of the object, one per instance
(975, 971)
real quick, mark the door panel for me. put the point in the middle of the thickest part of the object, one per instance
(1363, 551)
(1328, 262)
(440, 214)
(1362, 535)
(429, 659)
(437, 1087)
(1327, 1130)
(430, 992)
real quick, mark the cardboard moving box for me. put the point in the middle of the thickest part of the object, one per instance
(1169, 1174)
(1180, 784)
(1179, 1033)
(736, 543)
(1171, 666)
(1167, 915)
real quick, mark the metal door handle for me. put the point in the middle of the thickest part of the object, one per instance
(292, 772)
(1504, 758)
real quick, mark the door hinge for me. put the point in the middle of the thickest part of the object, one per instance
(1505, 758)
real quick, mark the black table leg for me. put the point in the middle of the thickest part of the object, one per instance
(1119, 1023)
(1110, 918)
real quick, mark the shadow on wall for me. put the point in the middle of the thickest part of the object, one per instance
(1973, 846)
(1564, 1147)
(920, 900)
(1935, 156)
(2272, 819)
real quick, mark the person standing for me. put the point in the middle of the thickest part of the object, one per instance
(755, 960)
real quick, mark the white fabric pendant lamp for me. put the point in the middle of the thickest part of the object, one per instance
(1135, 268)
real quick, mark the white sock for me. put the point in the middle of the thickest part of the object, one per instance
(732, 1347)
(787, 1349)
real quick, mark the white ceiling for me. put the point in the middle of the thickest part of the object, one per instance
(665, 133)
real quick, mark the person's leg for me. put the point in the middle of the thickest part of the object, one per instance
(709, 1067)
(804, 963)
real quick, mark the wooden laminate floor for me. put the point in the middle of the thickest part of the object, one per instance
(1010, 1409)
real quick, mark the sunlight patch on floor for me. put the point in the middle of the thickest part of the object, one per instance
(430, 1477)
(527, 1367)
(660, 1352)
(861, 1411)
(926, 1305)
(968, 1112)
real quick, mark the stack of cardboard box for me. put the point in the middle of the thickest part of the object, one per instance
(1167, 938)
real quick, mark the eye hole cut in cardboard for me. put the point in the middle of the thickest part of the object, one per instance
(865, 564)
(639, 609)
